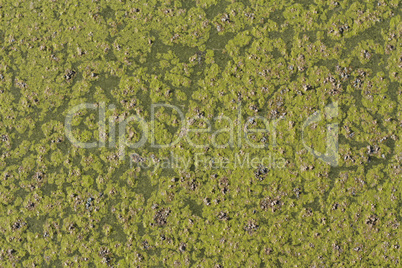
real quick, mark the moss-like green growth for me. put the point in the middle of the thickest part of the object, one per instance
(313, 76)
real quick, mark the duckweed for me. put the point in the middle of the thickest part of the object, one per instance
(209, 195)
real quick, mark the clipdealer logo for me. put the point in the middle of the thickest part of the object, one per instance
(243, 130)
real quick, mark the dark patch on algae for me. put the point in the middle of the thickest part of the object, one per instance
(250, 61)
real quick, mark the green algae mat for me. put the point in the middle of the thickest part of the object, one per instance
(200, 133)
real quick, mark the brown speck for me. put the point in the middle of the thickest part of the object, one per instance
(160, 217)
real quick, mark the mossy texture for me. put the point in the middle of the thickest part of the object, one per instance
(261, 63)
